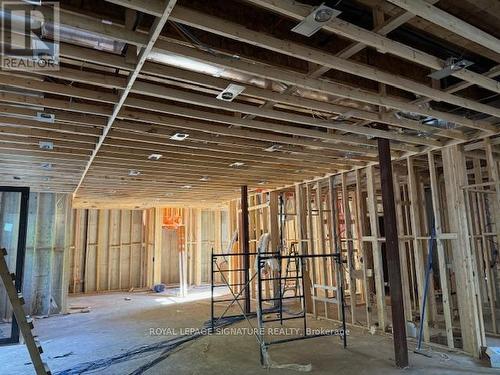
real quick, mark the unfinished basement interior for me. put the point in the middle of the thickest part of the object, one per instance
(249, 187)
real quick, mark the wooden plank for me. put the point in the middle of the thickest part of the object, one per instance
(34, 349)
(232, 30)
(361, 230)
(320, 222)
(329, 87)
(470, 308)
(350, 248)
(158, 250)
(450, 22)
(403, 250)
(154, 33)
(420, 264)
(310, 275)
(374, 39)
(442, 261)
(494, 177)
(377, 272)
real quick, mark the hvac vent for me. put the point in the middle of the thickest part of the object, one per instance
(315, 20)
(45, 117)
(46, 145)
(230, 92)
(451, 66)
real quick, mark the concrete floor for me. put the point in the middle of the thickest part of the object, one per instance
(116, 324)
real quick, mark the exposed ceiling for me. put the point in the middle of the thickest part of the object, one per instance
(134, 73)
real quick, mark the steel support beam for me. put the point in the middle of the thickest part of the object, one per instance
(244, 245)
(392, 251)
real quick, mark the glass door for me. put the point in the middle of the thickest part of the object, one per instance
(13, 225)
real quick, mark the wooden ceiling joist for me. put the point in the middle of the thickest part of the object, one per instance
(111, 111)
(375, 40)
(143, 55)
(219, 84)
(328, 87)
(450, 22)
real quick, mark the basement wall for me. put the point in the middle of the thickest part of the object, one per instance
(116, 249)
(46, 268)
(108, 250)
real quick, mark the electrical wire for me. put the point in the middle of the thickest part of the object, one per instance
(195, 42)
(166, 346)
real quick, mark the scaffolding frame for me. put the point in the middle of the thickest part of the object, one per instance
(237, 295)
(261, 259)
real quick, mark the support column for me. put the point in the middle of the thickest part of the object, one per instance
(244, 243)
(276, 245)
(392, 251)
(158, 222)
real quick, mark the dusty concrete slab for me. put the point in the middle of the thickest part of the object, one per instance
(118, 322)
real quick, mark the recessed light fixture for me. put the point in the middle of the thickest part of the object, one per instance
(133, 172)
(230, 92)
(323, 15)
(46, 145)
(315, 20)
(155, 157)
(237, 164)
(186, 187)
(205, 178)
(179, 136)
(273, 148)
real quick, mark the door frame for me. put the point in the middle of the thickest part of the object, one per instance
(21, 252)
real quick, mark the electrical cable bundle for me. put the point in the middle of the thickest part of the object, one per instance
(166, 347)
